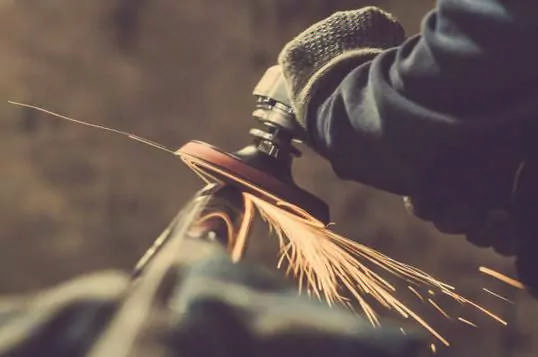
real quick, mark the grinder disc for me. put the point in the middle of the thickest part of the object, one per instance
(232, 170)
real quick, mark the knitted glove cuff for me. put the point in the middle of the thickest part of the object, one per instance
(343, 35)
(329, 76)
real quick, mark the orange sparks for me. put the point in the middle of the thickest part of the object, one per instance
(487, 312)
(324, 261)
(240, 243)
(329, 266)
(439, 308)
(498, 296)
(414, 291)
(505, 279)
(96, 126)
(224, 217)
(467, 322)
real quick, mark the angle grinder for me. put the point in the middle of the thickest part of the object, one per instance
(262, 168)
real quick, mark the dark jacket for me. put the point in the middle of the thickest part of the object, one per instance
(450, 115)
(463, 90)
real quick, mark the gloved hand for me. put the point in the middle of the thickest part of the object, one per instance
(325, 52)
(470, 193)
(496, 228)
(510, 228)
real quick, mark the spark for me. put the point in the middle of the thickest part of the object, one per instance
(416, 292)
(97, 126)
(433, 348)
(487, 312)
(463, 300)
(498, 296)
(325, 260)
(467, 322)
(505, 279)
(240, 243)
(224, 217)
(403, 331)
(434, 304)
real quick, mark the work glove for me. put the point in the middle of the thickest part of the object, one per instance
(470, 193)
(496, 208)
(324, 53)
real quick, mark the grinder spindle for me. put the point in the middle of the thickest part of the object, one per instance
(263, 167)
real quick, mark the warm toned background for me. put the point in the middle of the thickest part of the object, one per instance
(73, 200)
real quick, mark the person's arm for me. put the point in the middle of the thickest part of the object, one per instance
(470, 79)
(447, 117)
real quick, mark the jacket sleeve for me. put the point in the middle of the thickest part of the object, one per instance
(466, 86)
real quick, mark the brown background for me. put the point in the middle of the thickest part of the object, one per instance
(73, 200)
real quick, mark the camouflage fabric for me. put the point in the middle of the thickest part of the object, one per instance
(199, 304)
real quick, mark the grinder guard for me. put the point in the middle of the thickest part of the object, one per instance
(262, 168)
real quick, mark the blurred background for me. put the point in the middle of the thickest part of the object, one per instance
(74, 200)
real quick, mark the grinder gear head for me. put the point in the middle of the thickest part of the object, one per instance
(263, 167)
